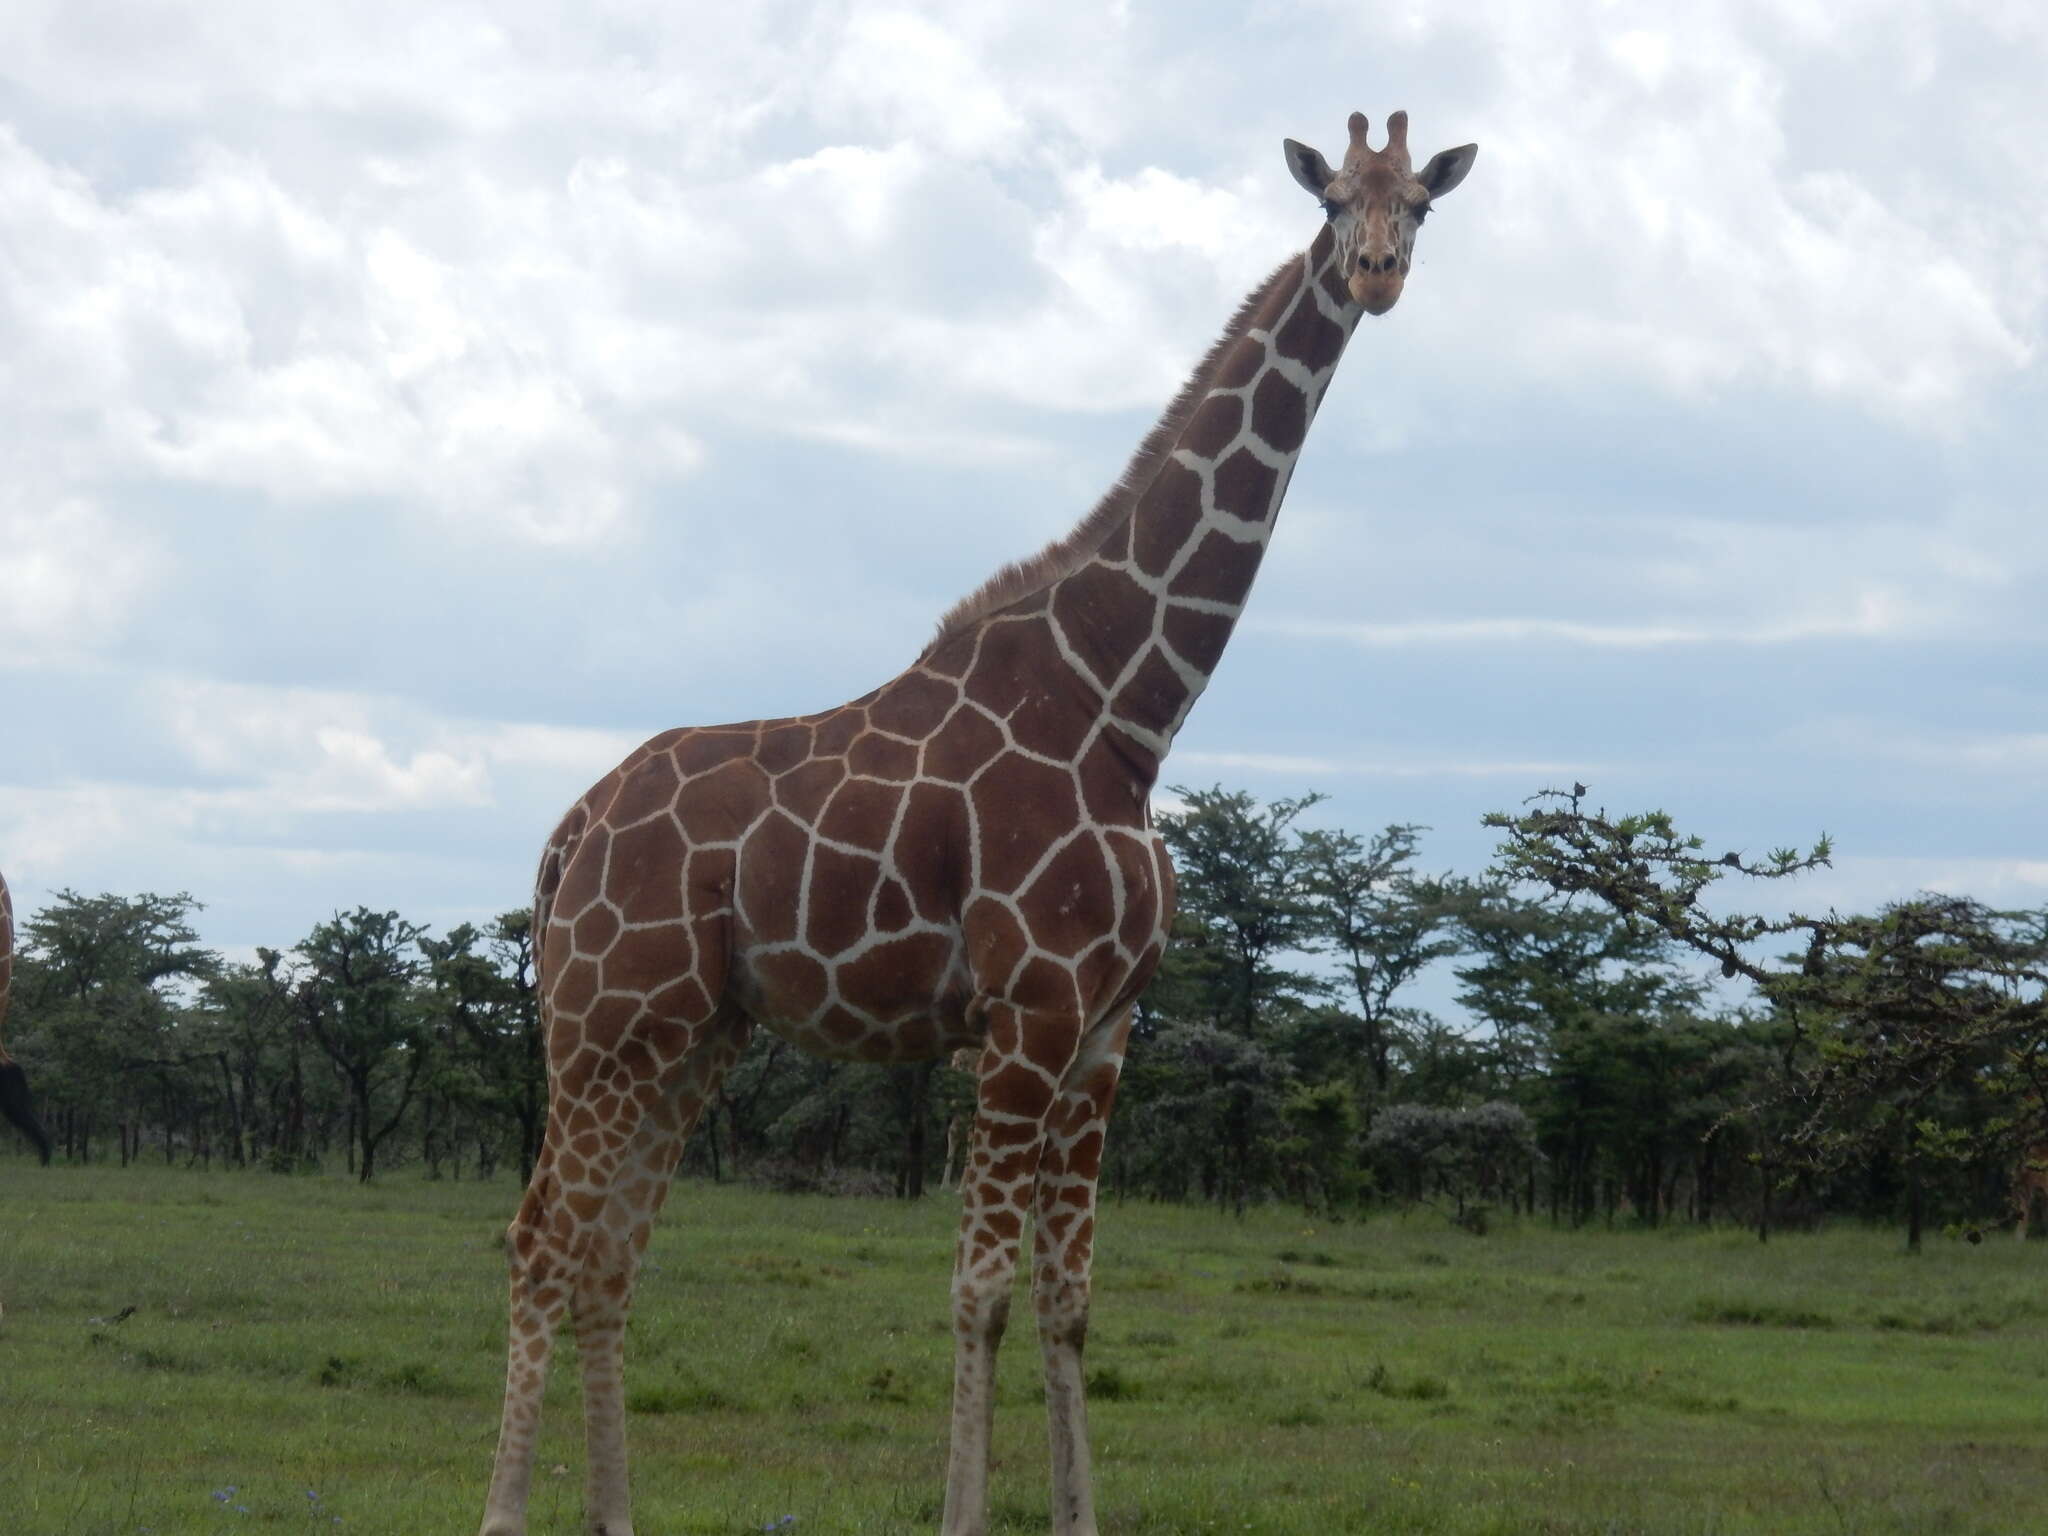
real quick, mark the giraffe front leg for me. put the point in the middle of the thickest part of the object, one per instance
(1016, 1091)
(1063, 1242)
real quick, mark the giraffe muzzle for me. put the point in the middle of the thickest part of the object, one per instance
(1376, 290)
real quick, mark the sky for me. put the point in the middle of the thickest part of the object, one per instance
(405, 410)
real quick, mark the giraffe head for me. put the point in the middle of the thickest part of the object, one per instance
(1376, 202)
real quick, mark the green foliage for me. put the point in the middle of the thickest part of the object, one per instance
(1893, 1065)
(1918, 1033)
(1243, 907)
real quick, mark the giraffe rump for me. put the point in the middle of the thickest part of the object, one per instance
(1067, 553)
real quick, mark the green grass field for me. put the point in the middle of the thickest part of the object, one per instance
(304, 1354)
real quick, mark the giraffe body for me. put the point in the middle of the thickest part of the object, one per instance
(961, 859)
(15, 1103)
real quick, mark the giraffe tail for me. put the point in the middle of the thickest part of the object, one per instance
(548, 879)
(18, 1108)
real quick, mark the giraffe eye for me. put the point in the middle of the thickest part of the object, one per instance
(1422, 213)
(1330, 209)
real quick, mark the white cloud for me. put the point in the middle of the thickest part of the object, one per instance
(1305, 768)
(1875, 614)
(296, 751)
(915, 78)
(1641, 210)
(1862, 884)
(69, 578)
(541, 315)
(2020, 753)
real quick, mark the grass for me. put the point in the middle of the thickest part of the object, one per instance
(307, 1355)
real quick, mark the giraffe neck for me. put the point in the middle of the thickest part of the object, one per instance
(1144, 621)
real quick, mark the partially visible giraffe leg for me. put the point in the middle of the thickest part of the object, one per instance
(540, 1295)
(603, 1292)
(1063, 1244)
(578, 1233)
(1016, 1092)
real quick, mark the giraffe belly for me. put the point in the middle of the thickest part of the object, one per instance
(895, 998)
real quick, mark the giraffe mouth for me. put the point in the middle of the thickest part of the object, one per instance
(1376, 292)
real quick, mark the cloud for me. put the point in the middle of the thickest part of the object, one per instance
(1863, 884)
(2019, 753)
(1660, 223)
(284, 752)
(1877, 614)
(404, 408)
(1306, 769)
(69, 578)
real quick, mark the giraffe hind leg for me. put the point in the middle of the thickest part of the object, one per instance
(603, 1292)
(573, 1248)
(618, 1056)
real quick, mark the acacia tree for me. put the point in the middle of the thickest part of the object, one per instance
(99, 981)
(1387, 924)
(247, 1035)
(1586, 1011)
(481, 984)
(1242, 906)
(1888, 1015)
(355, 998)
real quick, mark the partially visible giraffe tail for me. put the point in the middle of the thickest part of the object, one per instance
(19, 1108)
(548, 879)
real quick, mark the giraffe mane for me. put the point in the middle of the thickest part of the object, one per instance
(1067, 553)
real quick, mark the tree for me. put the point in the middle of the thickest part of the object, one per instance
(481, 984)
(1890, 1016)
(248, 1034)
(1242, 906)
(1480, 1153)
(99, 981)
(1582, 1004)
(356, 1001)
(1387, 924)
(1211, 1107)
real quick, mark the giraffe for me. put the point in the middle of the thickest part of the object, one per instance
(2030, 1186)
(15, 1103)
(962, 858)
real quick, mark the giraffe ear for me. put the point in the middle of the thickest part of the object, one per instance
(1309, 167)
(1447, 169)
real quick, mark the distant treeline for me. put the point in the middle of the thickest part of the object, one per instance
(1276, 1058)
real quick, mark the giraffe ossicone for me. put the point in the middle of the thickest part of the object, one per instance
(961, 859)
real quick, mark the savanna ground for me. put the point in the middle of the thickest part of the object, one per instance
(304, 1353)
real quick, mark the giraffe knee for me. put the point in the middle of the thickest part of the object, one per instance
(981, 1310)
(1062, 1303)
